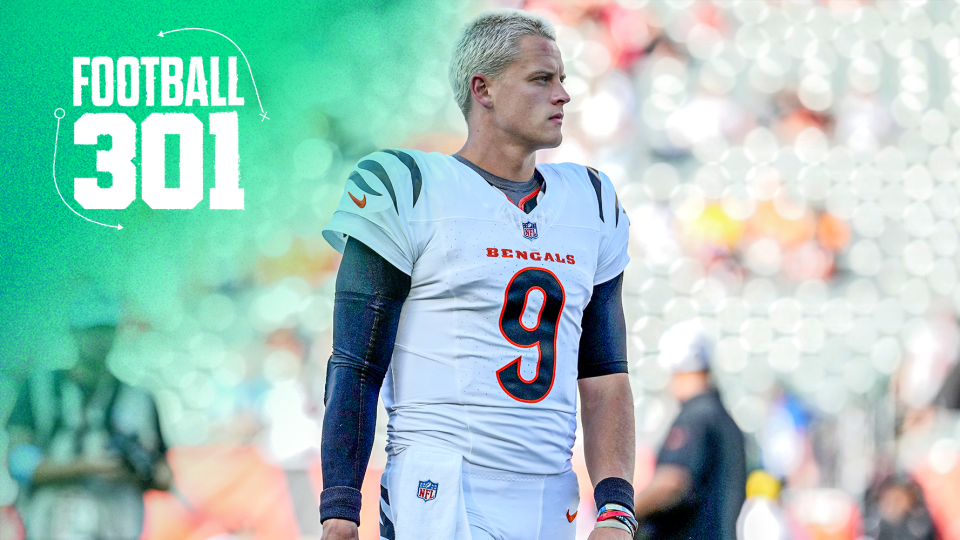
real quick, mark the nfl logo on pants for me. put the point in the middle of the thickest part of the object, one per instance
(427, 490)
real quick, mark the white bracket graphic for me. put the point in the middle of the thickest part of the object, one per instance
(59, 114)
(263, 113)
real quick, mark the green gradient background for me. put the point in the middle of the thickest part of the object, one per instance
(339, 71)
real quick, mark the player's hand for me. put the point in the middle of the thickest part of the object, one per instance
(340, 529)
(609, 533)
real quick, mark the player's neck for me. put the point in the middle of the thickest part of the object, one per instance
(505, 160)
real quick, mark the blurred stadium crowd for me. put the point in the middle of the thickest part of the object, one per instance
(790, 173)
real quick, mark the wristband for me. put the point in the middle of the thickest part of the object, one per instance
(613, 514)
(626, 519)
(340, 502)
(614, 524)
(617, 513)
(614, 490)
(614, 508)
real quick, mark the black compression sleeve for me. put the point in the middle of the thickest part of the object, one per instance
(603, 343)
(366, 313)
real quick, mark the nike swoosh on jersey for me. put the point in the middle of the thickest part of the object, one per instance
(573, 517)
(359, 202)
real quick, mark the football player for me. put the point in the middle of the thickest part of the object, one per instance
(481, 291)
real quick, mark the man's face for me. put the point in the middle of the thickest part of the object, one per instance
(93, 345)
(676, 386)
(528, 98)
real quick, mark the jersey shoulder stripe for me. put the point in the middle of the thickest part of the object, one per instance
(616, 210)
(416, 178)
(374, 166)
(362, 184)
(595, 180)
(377, 169)
(601, 188)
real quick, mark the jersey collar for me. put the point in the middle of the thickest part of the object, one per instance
(544, 215)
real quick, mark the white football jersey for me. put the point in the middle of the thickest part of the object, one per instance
(485, 361)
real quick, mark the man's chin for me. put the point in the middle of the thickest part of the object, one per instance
(552, 142)
(544, 141)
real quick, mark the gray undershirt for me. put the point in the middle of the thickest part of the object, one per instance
(515, 191)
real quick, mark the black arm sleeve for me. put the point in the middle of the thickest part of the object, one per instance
(603, 343)
(366, 313)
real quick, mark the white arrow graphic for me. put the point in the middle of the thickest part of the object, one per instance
(263, 113)
(58, 114)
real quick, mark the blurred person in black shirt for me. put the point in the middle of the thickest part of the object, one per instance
(84, 446)
(949, 396)
(896, 511)
(699, 484)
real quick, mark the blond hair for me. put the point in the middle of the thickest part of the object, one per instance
(488, 44)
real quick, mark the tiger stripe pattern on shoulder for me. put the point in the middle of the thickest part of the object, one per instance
(595, 180)
(416, 178)
(376, 168)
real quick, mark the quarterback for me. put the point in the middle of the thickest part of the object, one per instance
(479, 292)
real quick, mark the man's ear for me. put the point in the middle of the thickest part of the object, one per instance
(480, 88)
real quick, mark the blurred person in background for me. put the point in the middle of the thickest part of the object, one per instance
(925, 468)
(699, 484)
(949, 396)
(762, 517)
(896, 511)
(84, 446)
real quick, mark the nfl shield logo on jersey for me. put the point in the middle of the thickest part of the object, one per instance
(529, 230)
(427, 490)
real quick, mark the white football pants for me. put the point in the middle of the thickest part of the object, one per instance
(500, 505)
